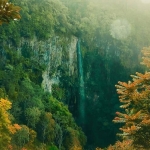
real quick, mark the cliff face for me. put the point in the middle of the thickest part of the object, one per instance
(55, 54)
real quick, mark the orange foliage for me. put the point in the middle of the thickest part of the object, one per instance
(125, 145)
(14, 128)
(135, 99)
(6, 127)
(8, 11)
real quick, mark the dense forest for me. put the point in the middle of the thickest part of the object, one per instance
(60, 63)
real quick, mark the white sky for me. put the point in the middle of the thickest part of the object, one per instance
(145, 1)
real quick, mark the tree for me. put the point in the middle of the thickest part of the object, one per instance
(46, 128)
(65, 125)
(8, 11)
(7, 129)
(32, 116)
(135, 97)
(125, 145)
(23, 138)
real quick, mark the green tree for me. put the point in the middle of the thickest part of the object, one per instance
(32, 116)
(45, 128)
(23, 138)
(65, 125)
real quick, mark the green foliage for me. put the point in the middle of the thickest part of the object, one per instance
(21, 137)
(24, 137)
(65, 125)
(72, 141)
(30, 103)
(53, 148)
(58, 92)
(21, 75)
(45, 128)
(32, 116)
(61, 113)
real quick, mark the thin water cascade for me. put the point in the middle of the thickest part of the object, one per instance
(81, 104)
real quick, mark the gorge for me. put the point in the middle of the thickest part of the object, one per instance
(59, 65)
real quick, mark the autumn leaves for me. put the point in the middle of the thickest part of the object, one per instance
(135, 99)
(8, 11)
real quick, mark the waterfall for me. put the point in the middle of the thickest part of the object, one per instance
(81, 104)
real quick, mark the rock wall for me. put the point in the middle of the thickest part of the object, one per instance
(55, 53)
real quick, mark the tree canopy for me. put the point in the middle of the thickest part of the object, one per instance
(8, 11)
(111, 40)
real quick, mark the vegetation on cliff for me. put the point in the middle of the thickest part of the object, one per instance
(111, 40)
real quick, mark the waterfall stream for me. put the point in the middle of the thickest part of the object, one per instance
(81, 104)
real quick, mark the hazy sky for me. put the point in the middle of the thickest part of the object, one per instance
(145, 1)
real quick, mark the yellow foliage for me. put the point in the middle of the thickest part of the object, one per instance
(6, 127)
(124, 145)
(8, 11)
(72, 140)
(135, 97)
(76, 148)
